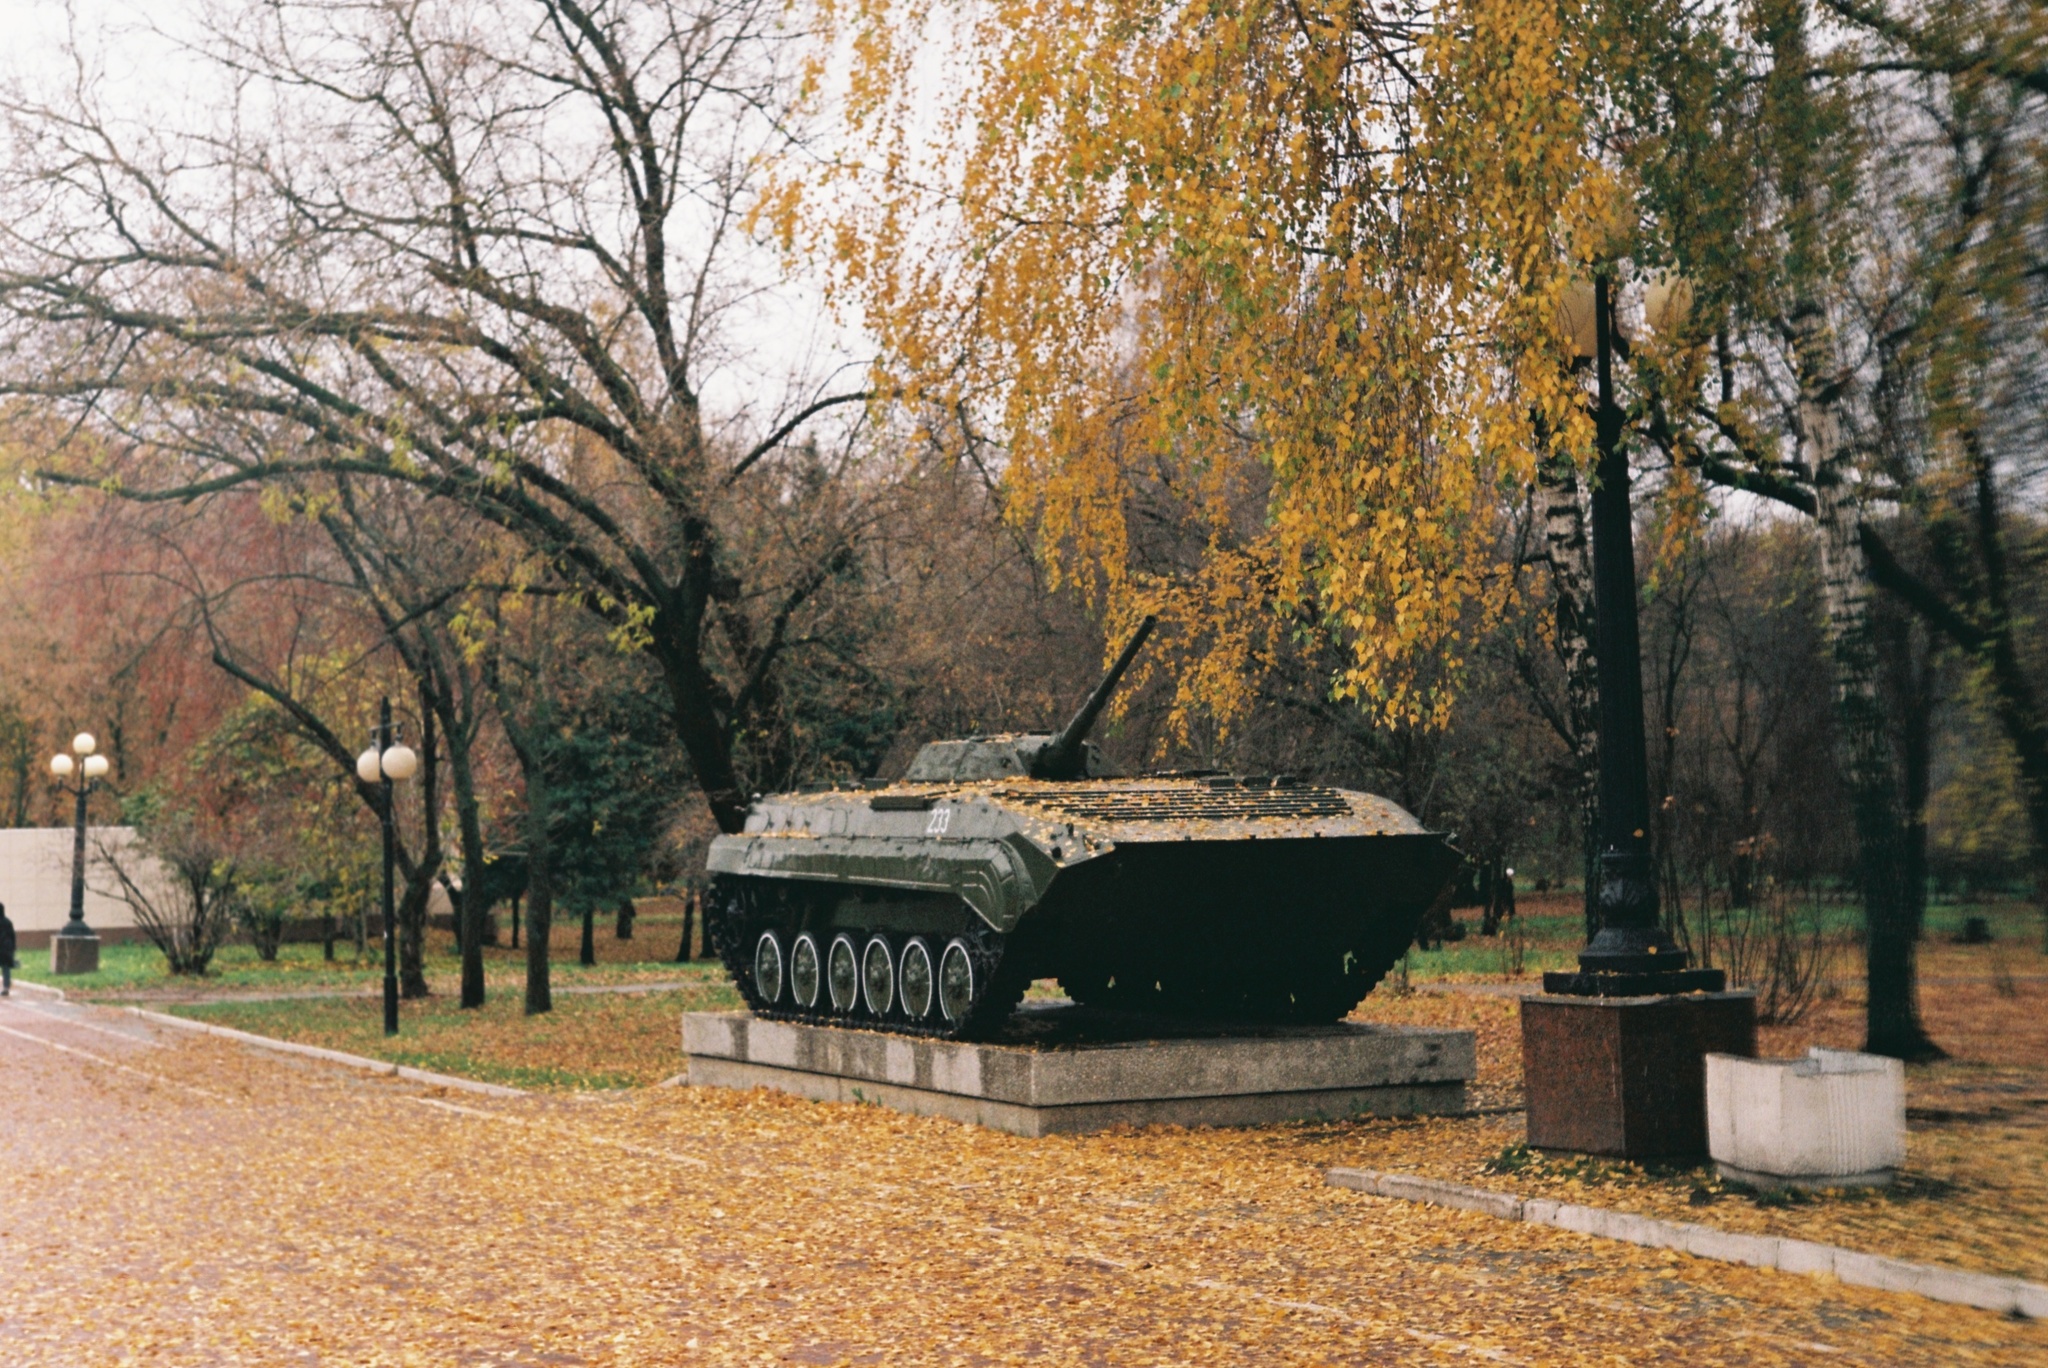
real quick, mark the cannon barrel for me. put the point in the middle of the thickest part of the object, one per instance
(1063, 756)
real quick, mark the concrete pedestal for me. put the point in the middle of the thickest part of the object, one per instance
(1626, 1077)
(1068, 1068)
(74, 954)
(1832, 1119)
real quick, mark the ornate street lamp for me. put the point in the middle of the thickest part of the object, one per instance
(1632, 953)
(1614, 1052)
(76, 948)
(383, 763)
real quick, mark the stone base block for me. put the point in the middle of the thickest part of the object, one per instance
(74, 954)
(1626, 1077)
(1833, 1118)
(1074, 1069)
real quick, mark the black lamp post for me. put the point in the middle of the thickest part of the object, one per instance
(79, 952)
(384, 762)
(1614, 1053)
(1631, 953)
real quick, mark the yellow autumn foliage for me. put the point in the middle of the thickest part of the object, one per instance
(1259, 302)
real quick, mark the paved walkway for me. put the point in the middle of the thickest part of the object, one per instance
(179, 1200)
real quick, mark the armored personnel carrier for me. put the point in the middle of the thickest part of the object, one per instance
(929, 904)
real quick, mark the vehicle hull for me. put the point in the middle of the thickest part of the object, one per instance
(1249, 919)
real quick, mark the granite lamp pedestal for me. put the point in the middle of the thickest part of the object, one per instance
(72, 954)
(1626, 1077)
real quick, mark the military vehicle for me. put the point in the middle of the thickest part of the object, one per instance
(928, 905)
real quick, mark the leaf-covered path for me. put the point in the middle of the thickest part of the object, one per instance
(176, 1200)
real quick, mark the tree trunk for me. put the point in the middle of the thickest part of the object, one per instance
(1892, 1023)
(1500, 897)
(2014, 701)
(419, 888)
(587, 953)
(677, 647)
(540, 891)
(1561, 503)
(412, 925)
(470, 911)
(624, 929)
(1913, 658)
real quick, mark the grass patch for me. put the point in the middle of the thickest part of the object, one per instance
(599, 1040)
(1552, 940)
(138, 970)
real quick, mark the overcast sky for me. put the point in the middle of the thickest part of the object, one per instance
(785, 332)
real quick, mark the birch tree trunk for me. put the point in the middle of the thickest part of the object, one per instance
(1892, 1025)
(1561, 503)
(1804, 135)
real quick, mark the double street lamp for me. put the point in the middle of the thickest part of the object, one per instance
(1631, 952)
(76, 949)
(1614, 1053)
(384, 763)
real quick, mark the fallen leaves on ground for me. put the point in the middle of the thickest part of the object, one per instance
(589, 1040)
(1973, 1194)
(319, 1215)
(328, 1215)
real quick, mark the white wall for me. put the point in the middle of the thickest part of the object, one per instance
(35, 877)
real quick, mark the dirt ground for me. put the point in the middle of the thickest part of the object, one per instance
(179, 1200)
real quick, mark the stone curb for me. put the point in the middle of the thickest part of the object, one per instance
(380, 1066)
(2010, 1296)
(57, 993)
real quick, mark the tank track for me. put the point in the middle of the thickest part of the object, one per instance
(737, 909)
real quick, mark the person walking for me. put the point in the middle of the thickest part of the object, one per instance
(6, 953)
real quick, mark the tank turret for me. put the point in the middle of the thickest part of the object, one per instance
(928, 905)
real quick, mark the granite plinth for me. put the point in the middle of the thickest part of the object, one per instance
(1626, 1077)
(1067, 1068)
(74, 954)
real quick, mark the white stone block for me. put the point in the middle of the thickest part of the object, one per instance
(1804, 1256)
(2032, 1300)
(771, 1042)
(1980, 1290)
(1832, 1114)
(1505, 1205)
(1886, 1275)
(706, 1034)
(1584, 1220)
(1640, 1230)
(957, 1069)
(1657, 1234)
(1758, 1251)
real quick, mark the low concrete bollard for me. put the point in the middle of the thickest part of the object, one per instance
(1834, 1118)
